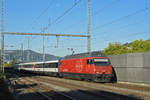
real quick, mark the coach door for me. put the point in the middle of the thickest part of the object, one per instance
(89, 64)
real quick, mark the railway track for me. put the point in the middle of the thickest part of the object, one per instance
(40, 88)
(113, 88)
(67, 89)
(71, 90)
(33, 90)
(42, 91)
(94, 93)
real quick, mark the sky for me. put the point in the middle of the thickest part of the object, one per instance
(111, 21)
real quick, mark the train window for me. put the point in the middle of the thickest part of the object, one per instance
(39, 66)
(42, 65)
(46, 65)
(89, 61)
(27, 66)
(30, 66)
(101, 62)
(51, 65)
(54, 65)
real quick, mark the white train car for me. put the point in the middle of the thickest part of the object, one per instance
(51, 68)
(46, 68)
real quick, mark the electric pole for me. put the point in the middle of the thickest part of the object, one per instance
(89, 34)
(57, 39)
(43, 31)
(28, 55)
(2, 36)
(22, 53)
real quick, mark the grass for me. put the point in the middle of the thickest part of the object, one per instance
(2, 76)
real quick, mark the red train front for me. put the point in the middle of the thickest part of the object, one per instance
(87, 67)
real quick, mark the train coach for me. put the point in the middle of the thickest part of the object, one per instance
(93, 66)
(45, 68)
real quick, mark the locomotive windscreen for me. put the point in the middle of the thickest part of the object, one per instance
(101, 62)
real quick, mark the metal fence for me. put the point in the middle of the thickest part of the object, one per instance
(132, 67)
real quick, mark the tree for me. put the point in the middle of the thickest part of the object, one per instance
(10, 64)
(13, 61)
(115, 48)
(140, 46)
(135, 46)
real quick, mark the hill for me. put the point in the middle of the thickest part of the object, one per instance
(33, 57)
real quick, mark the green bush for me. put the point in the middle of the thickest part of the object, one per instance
(133, 47)
(2, 76)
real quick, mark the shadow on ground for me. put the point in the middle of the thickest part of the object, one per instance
(77, 94)
(22, 92)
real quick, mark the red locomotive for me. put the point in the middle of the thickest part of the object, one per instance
(93, 66)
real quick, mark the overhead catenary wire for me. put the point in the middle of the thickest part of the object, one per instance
(66, 46)
(129, 35)
(62, 15)
(42, 13)
(95, 13)
(105, 7)
(121, 18)
(138, 33)
(125, 26)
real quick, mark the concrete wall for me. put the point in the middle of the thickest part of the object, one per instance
(133, 67)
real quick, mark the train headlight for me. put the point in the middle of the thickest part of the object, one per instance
(97, 72)
(109, 73)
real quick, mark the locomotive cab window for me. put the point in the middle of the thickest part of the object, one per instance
(89, 61)
(101, 62)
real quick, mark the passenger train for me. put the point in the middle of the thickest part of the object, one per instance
(93, 66)
(47, 68)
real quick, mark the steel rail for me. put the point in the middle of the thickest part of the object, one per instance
(105, 95)
(109, 87)
(45, 96)
(63, 94)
